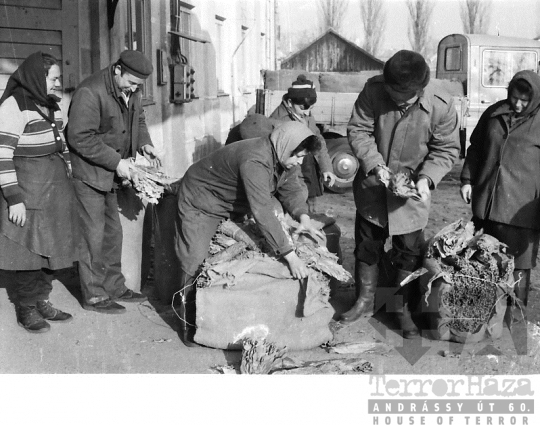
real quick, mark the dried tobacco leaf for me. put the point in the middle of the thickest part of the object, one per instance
(402, 186)
(150, 182)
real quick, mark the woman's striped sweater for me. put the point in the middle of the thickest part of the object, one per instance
(25, 134)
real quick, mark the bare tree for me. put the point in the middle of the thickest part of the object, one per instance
(332, 13)
(374, 20)
(420, 14)
(475, 15)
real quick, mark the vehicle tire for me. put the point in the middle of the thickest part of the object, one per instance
(344, 164)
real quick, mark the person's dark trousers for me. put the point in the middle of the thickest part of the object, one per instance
(188, 316)
(101, 244)
(31, 286)
(405, 256)
(370, 239)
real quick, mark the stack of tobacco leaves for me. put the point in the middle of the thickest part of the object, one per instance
(477, 268)
(150, 183)
(244, 241)
(312, 253)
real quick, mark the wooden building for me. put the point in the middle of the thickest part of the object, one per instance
(332, 53)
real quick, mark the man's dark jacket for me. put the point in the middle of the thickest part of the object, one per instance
(97, 134)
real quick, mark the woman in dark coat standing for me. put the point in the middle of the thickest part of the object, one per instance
(36, 234)
(501, 176)
(245, 177)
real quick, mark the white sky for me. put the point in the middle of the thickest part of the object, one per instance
(512, 18)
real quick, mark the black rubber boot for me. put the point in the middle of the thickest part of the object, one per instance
(365, 279)
(29, 318)
(187, 310)
(516, 312)
(522, 277)
(403, 313)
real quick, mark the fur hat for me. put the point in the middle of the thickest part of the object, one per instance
(301, 90)
(406, 71)
(136, 63)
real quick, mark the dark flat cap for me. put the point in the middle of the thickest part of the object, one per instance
(136, 63)
(406, 71)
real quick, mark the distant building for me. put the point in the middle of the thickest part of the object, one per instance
(332, 53)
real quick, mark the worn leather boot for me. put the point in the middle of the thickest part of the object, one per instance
(187, 310)
(29, 318)
(48, 312)
(365, 279)
(403, 313)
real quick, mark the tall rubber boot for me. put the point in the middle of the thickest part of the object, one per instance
(187, 310)
(365, 279)
(522, 277)
(403, 313)
(516, 312)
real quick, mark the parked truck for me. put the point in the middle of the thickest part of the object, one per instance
(474, 69)
(483, 65)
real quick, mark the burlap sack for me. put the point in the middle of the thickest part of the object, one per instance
(261, 300)
(440, 316)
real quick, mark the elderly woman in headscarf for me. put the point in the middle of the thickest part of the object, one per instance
(36, 235)
(501, 176)
(296, 105)
(244, 177)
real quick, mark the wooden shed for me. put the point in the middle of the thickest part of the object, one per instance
(332, 53)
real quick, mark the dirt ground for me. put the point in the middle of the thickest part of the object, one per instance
(145, 340)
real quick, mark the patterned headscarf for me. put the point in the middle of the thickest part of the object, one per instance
(28, 83)
(286, 138)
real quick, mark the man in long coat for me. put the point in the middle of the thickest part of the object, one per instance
(400, 123)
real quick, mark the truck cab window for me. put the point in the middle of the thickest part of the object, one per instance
(498, 66)
(452, 59)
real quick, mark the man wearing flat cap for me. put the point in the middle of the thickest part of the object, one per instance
(106, 128)
(400, 123)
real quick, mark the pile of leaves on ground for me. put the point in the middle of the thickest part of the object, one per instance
(260, 357)
(470, 280)
(150, 183)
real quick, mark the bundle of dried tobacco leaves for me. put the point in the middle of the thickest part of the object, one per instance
(150, 183)
(260, 356)
(477, 270)
(234, 241)
(403, 187)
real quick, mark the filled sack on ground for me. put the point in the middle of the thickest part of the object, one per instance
(244, 292)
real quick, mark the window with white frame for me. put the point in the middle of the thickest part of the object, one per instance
(220, 63)
(181, 24)
(244, 58)
(138, 36)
